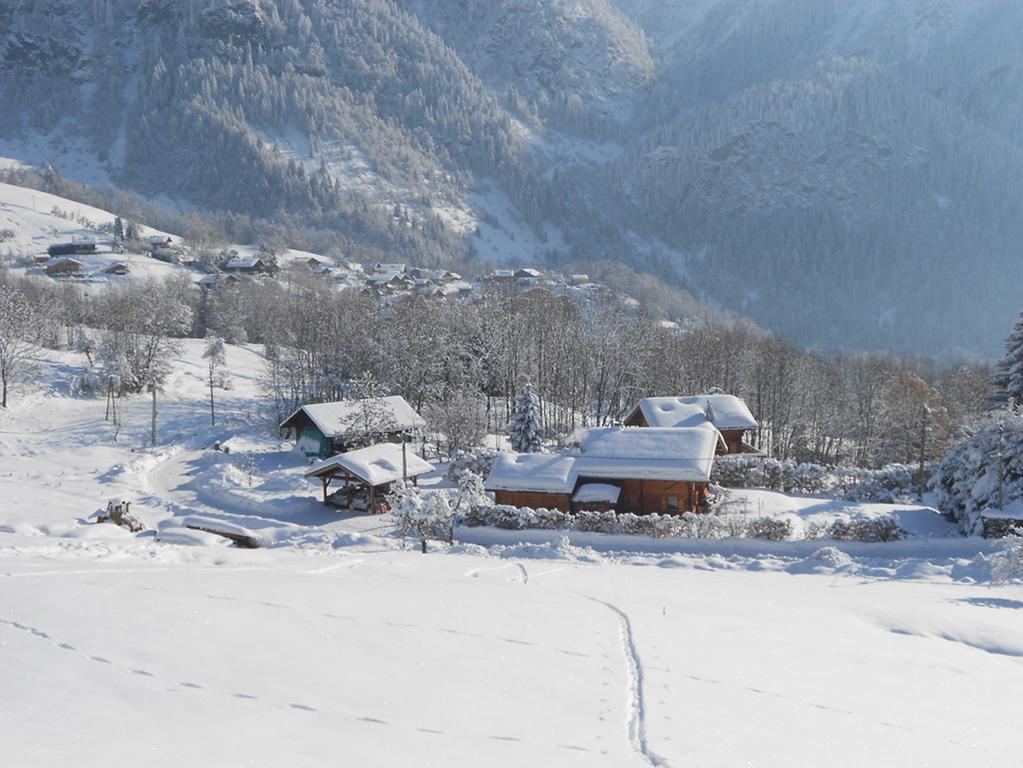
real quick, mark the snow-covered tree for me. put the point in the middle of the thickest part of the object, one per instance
(215, 357)
(118, 229)
(526, 432)
(1007, 379)
(84, 342)
(16, 329)
(982, 471)
(425, 516)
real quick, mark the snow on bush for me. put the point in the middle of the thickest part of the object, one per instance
(686, 525)
(864, 528)
(890, 484)
(479, 460)
(426, 516)
(1008, 564)
(982, 471)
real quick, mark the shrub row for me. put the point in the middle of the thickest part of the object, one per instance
(892, 484)
(687, 525)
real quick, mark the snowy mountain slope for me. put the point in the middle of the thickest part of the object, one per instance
(568, 56)
(749, 151)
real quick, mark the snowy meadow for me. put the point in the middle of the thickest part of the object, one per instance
(337, 641)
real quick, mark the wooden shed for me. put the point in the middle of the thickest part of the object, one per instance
(322, 429)
(366, 474)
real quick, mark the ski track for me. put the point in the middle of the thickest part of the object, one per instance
(636, 707)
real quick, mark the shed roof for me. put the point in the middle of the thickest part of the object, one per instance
(683, 454)
(723, 411)
(375, 465)
(541, 473)
(597, 492)
(244, 262)
(344, 417)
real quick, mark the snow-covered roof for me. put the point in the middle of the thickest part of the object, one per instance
(683, 454)
(723, 411)
(537, 472)
(375, 465)
(344, 417)
(597, 492)
(243, 262)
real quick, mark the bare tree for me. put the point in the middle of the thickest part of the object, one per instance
(17, 326)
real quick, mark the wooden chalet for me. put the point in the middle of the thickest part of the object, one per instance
(643, 471)
(65, 266)
(249, 265)
(323, 429)
(366, 474)
(727, 413)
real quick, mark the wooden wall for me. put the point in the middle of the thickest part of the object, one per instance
(562, 501)
(639, 497)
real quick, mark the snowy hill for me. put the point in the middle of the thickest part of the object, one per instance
(334, 640)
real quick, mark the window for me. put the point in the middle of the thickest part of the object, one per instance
(673, 503)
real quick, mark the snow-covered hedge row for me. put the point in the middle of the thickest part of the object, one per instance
(861, 528)
(982, 471)
(479, 460)
(890, 484)
(686, 525)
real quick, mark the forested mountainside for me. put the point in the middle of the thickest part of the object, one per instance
(847, 174)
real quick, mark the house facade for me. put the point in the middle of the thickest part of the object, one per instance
(642, 471)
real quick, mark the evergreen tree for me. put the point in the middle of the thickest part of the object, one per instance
(1007, 380)
(118, 230)
(525, 433)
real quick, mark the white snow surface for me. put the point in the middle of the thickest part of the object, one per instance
(342, 417)
(332, 644)
(723, 411)
(532, 472)
(684, 454)
(591, 492)
(376, 464)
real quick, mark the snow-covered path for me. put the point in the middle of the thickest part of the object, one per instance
(222, 657)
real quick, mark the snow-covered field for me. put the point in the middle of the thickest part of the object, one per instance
(333, 645)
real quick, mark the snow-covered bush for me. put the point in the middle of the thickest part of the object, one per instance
(595, 521)
(889, 484)
(869, 529)
(770, 528)
(686, 525)
(427, 516)
(983, 470)
(479, 460)
(1008, 564)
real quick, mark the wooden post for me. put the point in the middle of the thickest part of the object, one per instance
(372, 500)
(154, 414)
(326, 482)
